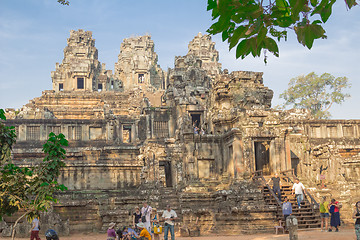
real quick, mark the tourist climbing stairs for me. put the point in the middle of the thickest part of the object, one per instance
(308, 215)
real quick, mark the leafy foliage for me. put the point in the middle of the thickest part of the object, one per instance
(7, 139)
(30, 189)
(316, 93)
(253, 25)
(64, 2)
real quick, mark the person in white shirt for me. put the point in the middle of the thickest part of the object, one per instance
(298, 189)
(35, 228)
(146, 211)
(169, 216)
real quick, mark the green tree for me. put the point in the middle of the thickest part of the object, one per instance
(63, 2)
(30, 189)
(316, 93)
(253, 25)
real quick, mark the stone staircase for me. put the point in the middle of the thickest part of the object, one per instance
(308, 215)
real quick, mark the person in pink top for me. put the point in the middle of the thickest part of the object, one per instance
(111, 234)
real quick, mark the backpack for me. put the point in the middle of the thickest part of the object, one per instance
(332, 209)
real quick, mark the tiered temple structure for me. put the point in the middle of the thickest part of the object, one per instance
(195, 136)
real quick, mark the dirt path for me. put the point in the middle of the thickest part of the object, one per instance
(344, 234)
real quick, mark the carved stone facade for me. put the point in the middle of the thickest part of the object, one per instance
(137, 64)
(191, 137)
(81, 69)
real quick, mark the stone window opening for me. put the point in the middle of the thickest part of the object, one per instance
(348, 131)
(332, 131)
(75, 132)
(80, 83)
(53, 129)
(100, 87)
(141, 78)
(61, 86)
(161, 129)
(112, 85)
(196, 120)
(33, 133)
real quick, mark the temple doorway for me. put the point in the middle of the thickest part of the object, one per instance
(294, 162)
(166, 166)
(262, 157)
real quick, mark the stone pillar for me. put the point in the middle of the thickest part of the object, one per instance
(121, 132)
(273, 154)
(172, 126)
(287, 154)
(237, 156)
(85, 132)
(323, 131)
(152, 124)
(148, 127)
(282, 163)
(22, 133)
(43, 135)
(340, 133)
(230, 158)
(133, 133)
(196, 163)
(136, 126)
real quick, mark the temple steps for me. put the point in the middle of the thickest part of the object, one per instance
(307, 216)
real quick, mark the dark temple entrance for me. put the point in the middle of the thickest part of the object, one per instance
(294, 162)
(262, 157)
(167, 168)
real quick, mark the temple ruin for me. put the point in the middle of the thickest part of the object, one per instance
(195, 136)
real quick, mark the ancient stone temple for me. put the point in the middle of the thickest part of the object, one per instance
(196, 136)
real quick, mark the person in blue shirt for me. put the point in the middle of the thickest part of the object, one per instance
(129, 233)
(286, 208)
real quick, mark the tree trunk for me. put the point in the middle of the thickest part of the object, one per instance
(16, 222)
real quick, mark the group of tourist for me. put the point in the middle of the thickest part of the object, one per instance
(146, 222)
(327, 210)
(332, 210)
(198, 130)
(146, 225)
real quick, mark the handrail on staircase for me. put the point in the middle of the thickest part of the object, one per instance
(259, 175)
(312, 201)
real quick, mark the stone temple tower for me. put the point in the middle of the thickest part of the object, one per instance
(137, 64)
(203, 48)
(80, 67)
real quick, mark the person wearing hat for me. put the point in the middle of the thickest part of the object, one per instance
(111, 234)
(144, 234)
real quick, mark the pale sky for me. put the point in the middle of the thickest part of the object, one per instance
(33, 36)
